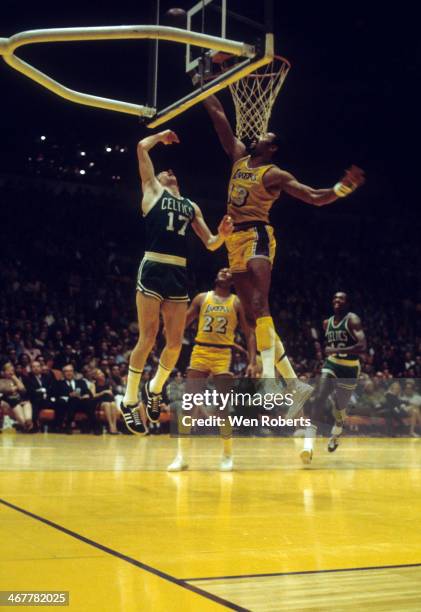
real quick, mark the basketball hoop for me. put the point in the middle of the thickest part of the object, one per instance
(254, 97)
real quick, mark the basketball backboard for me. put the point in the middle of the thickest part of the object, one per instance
(203, 18)
(219, 19)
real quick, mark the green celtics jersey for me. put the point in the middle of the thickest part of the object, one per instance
(167, 225)
(339, 336)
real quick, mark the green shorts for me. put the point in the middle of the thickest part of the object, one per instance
(162, 281)
(347, 375)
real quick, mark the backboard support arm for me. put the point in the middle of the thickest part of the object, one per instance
(8, 47)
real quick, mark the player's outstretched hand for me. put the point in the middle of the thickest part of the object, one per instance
(226, 226)
(354, 177)
(169, 137)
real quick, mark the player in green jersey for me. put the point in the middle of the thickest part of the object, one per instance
(345, 342)
(162, 279)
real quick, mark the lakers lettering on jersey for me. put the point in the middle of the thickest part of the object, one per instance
(248, 199)
(215, 335)
(249, 203)
(217, 320)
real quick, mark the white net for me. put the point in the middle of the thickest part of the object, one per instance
(254, 97)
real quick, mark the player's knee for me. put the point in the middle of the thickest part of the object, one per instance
(251, 319)
(324, 389)
(173, 344)
(259, 306)
(148, 337)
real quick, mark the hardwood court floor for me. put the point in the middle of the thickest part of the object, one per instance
(101, 518)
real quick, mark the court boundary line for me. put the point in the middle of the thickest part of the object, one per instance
(115, 553)
(303, 572)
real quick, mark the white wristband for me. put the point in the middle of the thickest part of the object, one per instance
(342, 190)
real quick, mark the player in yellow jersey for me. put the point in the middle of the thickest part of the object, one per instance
(255, 184)
(219, 312)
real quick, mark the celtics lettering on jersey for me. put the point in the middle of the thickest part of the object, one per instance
(167, 225)
(338, 336)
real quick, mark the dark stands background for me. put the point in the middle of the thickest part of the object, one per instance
(349, 98)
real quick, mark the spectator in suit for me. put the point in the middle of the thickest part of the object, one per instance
(394, 408)
(371, 401)
(87, 374)
(73, 396)
(66, 356)
(39, 385)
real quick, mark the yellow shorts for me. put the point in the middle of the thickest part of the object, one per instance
(257, 241)
(211, 359)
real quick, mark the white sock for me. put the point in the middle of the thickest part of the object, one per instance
(183, 447)
(268, 362)
(283, 364)
(132, 391)
(337, 430)
(310, 437)
(160, 378)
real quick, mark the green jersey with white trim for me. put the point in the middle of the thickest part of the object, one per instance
(167, 225)
(340, 335)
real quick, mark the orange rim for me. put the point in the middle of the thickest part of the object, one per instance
(279, 58)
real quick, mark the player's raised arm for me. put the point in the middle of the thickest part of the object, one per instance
(232, 146)
(277, 180)
(355, 327)
(194, 309)
(211, 241)
(146, 168)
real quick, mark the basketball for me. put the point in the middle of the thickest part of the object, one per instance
(176, 17)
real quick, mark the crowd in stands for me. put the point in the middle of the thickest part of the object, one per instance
(68, 322)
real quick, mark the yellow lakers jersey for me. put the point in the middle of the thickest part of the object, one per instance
(217, 320)
(248, 199)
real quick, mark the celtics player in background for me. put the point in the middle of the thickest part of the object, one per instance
(162, 278)
(219, 312)
(345, 342)
(255, 184)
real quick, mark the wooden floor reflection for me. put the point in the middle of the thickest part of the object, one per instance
(101, 518)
